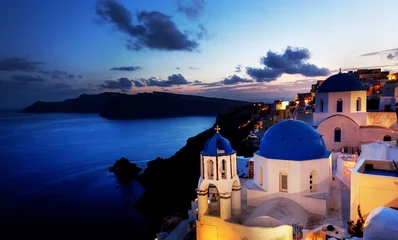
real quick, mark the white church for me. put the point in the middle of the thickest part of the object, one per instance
(291, 193)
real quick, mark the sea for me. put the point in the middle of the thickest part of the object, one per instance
(54, 178)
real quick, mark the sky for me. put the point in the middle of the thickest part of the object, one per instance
(253, 50)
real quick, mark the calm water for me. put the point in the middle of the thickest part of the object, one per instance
(53, 170)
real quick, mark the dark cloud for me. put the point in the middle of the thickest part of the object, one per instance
(292, 61)
(194, 68)
(70, 76)
(177, 79)
(178, 68)
(390, 54)
(56, 76)
(193, 9)
(154, 30)
(128, 69)
(80, 76)
(60, 86)
(232, 80)
(238, 68)
(18, 64)
(173, 80)
(27, 78)
(123, 84)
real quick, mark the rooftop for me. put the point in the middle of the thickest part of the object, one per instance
(384, 168)
(341, 82)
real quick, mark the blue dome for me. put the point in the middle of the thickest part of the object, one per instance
(341, 82)
(217, 142)
(292, 140)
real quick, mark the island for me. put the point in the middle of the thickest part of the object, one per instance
(138, 106)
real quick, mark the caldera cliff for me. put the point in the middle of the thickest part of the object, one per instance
(138, 106)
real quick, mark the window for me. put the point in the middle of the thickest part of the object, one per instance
(337, 135)
(358, 104)
(339, 105)
(283, 181)
(313, 181)
(260, 176)
(321, 106)
(224, 169)
(386, 138)
(210, 169)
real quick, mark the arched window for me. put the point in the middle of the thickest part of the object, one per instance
(224, 169)
(386, 138)
(260, 176)
(321, 105)
(358, 104)
(339, 105)
(210, 169)
(283, 181)
(313, 181)
(337, 135)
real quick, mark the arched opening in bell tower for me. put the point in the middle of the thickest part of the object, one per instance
(213, 201)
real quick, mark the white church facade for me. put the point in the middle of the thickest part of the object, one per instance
(291, 192)
(341, 116)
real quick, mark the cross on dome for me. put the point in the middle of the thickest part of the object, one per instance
(217, 128)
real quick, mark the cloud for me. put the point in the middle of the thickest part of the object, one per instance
(172, 80)
(154, 30)
(202, 33)
(177, 79)
(71, 76)
(194, 68)
(128, 69)
(27, 78)
(60, 86)
(192, 10)
(292, 61)
(18, 64)
(235, 80)
(390, 54)
(123, 84)
(238, 68)
(80, 76)
(178, 68)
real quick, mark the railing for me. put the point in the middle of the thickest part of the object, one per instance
(297, 231)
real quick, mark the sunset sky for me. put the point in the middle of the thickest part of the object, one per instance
(239, 49)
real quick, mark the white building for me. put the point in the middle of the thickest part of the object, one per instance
(341, 117)
(292, 183)
(292, 172)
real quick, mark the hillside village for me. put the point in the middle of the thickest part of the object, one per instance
(325, 168)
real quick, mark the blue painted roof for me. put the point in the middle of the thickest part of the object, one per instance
(217, 142)
(292, 140)
(341, 82)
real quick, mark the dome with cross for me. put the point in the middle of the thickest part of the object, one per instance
(217, 145)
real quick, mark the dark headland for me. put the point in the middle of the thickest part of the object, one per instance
(138, 106)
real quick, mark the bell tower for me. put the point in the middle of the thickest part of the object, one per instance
(219, 186)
